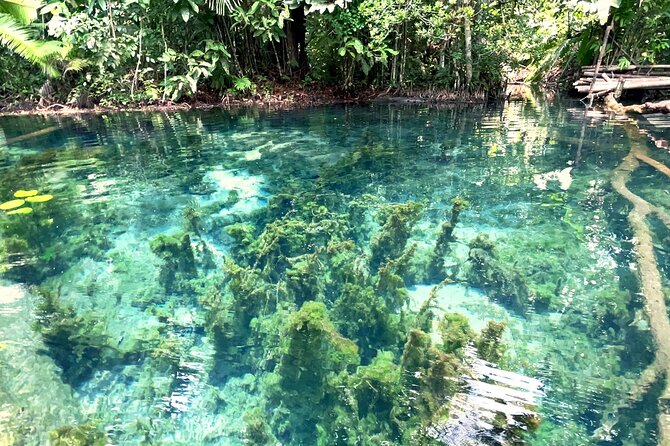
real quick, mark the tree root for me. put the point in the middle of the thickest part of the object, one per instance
(650, 280)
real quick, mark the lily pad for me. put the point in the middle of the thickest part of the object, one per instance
(39, 198)
(20, 211)
(25, 193)
(12, 204)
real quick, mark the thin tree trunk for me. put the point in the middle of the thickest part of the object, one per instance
(601, 54)
(467, 31)
(133, 86)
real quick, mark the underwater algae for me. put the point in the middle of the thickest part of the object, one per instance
(264, 279)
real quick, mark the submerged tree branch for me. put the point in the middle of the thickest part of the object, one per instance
(650, 279)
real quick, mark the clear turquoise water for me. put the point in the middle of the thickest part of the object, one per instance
(146, 351)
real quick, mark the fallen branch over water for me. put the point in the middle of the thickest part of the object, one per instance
(647, 107)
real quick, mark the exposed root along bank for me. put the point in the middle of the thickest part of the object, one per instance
(649, 274)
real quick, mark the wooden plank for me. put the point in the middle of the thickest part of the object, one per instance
(632, 84)
(628, 68)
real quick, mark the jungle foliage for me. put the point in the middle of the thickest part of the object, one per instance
(156, 51)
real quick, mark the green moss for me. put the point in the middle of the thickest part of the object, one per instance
(455, 332)
(312, 350)
(500, 281)
(78, 343)
(436, 270)
(398, 221)
(78, 435)
(257, 431)
(178, 265)
(490, 346)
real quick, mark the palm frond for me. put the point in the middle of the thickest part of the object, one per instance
(19, 40)
(24, 11)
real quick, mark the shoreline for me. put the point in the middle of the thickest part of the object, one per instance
(284, 100)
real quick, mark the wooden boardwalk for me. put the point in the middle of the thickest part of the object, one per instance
(614, 79)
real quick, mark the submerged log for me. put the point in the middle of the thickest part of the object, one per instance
(647, 107)
(41, 132)
(649, 276)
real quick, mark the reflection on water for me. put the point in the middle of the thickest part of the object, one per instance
(250, 277)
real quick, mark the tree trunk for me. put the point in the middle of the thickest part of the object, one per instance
(603, 47)
(467, 31)
(296, 44)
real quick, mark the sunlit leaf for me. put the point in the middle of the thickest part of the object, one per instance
(11, 204)
(25, 193)
(39, 198)
(20, 211)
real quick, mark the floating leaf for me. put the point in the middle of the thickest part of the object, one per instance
(39, 198)
(25, 193)
(20, 211)
(12, 204)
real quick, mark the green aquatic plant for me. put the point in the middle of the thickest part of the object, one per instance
(192, 215)
(397, 223)
(78, 435)
(242, 235)
(312, 349)
(455, 332)
(390, 281)
(432, 373)
(78, 342)
(489, 343)
(500, 281)
(178, 262)
(365, 165)
(436, 270)
(362, 315)
(257, 430)
(302, 277)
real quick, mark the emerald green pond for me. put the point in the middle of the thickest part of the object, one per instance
(263, 278)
